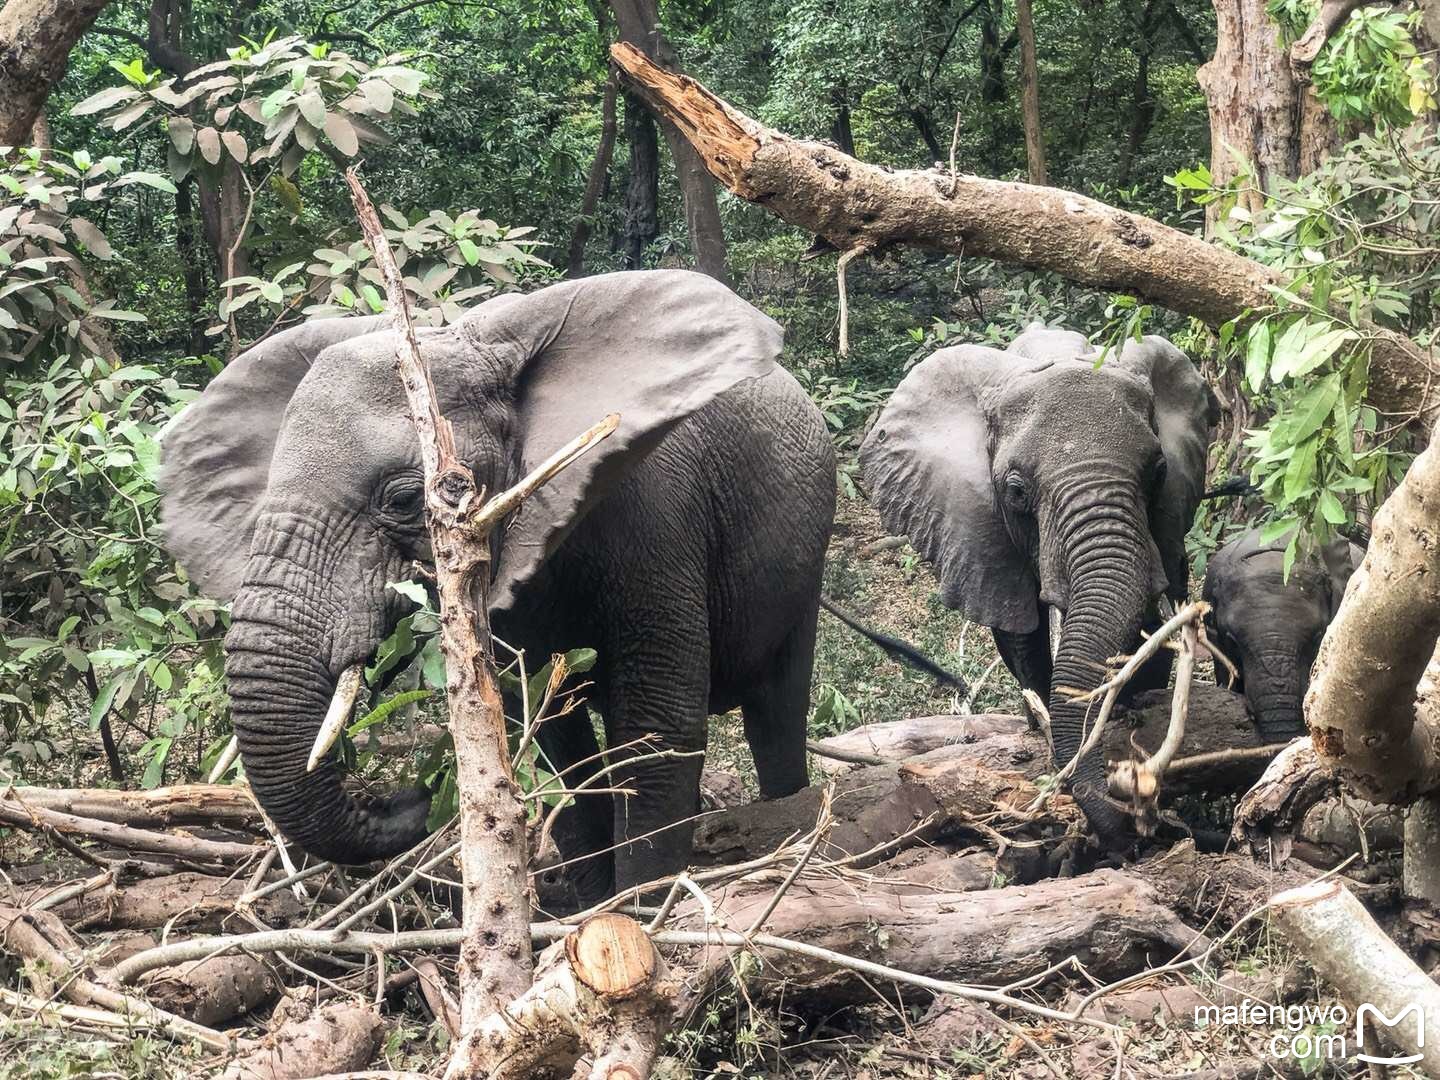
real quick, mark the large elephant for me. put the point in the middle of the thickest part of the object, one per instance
(1271, 627)
(1037, 482)
(687, 548)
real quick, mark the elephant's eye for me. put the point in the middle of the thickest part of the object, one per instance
(1159, 470)
(404, 500)
(1017, 493)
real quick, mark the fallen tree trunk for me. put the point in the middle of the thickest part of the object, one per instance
(185, 901)
(1348, 949)
(1114, 921)
(214, 991)
(1219, 727)
(161, 808)
(332, 1039)
(878, 810)
(856, 206)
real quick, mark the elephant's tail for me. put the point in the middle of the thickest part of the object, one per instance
(899, 650)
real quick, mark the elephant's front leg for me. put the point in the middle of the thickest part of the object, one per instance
(656, 727)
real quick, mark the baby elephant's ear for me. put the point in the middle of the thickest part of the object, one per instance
(654, 346)
(215, 457)
(926, 463)
(1185, 414)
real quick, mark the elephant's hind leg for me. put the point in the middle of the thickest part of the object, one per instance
(582, 828)
(775, 710)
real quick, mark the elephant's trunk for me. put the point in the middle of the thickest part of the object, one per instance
(278, 669)
(1110, 564)
(1275, 683)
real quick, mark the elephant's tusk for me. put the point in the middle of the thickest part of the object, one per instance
(347, 689)
(1056, 618)
(225, 760)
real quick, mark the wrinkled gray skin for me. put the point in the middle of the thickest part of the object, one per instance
(687, 548)
(1032, 480)
(1270, 628)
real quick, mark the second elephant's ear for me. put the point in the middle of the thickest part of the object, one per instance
(1186, 411)
(926, 463)
(215, 457)
(653, 346)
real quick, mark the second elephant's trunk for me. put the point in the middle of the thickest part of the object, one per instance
(1275, 686)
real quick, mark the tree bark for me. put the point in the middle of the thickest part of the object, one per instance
(1142, 104)
(1258, 109)
(1347, 948)
(594, 183)
(638, 22)
(197, 297)
(841, 134)
(852, 204)
(640, 222)
(1030, 94)
(1362, 703)
(36, 37)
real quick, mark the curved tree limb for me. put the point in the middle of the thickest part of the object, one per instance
(1332, 16)
(1361, 704)
(850, 203)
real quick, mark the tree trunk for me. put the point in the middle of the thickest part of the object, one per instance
(1030, 93)
(594, 183)
(640, 222)
(841, 133)
(36, 37)
(852, 204)
(639, 24)
(197, 297)
(1142, 105)
(1258, 109)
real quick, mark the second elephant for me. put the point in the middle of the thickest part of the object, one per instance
(1037, 482)
(1271, 627)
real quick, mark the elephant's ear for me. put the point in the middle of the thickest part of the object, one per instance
(1185, 411)
(926, 464)
(653, 346)
(215, 456)
(1341, 559)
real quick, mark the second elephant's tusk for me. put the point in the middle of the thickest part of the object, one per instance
(347, 689)
(1056, 618)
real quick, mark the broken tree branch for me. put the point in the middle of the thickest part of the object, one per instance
(850, 203)
(1350, 951)
(13, 812)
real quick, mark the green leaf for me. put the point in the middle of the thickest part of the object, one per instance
(149, 179)
(1276, 529)
(469, 251)
(385, 708)
(1312, 410)
(272, 292)
(182, 134)
(411, 590)
(101, 705)
(1257, 355)
(1330, 508)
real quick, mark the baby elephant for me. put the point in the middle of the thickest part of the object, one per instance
(1271, 628)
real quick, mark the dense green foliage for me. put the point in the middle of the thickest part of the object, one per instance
(193, 203)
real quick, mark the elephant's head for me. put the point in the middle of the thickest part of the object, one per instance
(1033, 477)
(1271, 627)
(293, 487)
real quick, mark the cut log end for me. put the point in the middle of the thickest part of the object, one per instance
(612, 955)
